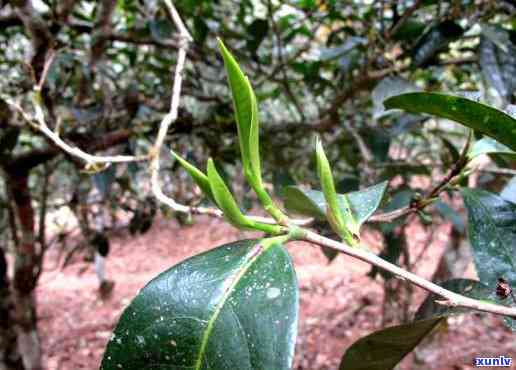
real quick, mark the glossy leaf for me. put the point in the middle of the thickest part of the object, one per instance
(384, 349)
(363, 203)
(489, 146)
(233, 307)
(197, 175)
(492, 233)
(246, 113)
(478, 116)
(224, 199)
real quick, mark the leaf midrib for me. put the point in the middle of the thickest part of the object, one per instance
(252, 256)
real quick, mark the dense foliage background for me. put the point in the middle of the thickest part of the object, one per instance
(320, 67)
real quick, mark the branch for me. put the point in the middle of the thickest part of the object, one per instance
(418, 205)
(39, 123)
(171, 117)
(450, 298)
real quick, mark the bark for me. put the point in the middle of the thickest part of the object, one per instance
(27, 265)
(10, 358)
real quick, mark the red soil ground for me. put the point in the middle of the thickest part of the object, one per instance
(339, 303)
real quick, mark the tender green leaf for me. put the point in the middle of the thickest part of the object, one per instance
(363, 203)
(246, 112)
(224, 199)
(198, 176)
(384, 349)
(489, 146)
(466, 287)
(340, 219)
(492, 233)
(233, 307)
(478, 116)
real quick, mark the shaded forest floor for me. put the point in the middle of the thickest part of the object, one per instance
(339, 303)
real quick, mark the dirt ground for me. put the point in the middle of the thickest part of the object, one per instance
(339, 303)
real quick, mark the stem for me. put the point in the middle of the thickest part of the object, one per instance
(450, 298)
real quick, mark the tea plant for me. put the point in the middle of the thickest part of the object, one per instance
(236, 306)
(94, 74)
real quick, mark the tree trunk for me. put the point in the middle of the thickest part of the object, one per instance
(27, 266)
(10, 358)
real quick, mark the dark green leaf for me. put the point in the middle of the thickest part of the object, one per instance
(384, 349)
(281, 178)
(200, 30)
(478, 116)
(363, 203)
(452, 150)
(104, 180)
(409, 31)
(435, 40)
(496, 55)
(9, 139)
(491, 69)
(234, 307)
(492, 233)
(256, 32)
(160, 29)
(448, 212)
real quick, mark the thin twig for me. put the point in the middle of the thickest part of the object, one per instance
(450, 298)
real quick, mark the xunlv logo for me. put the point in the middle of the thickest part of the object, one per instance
(493, 361)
